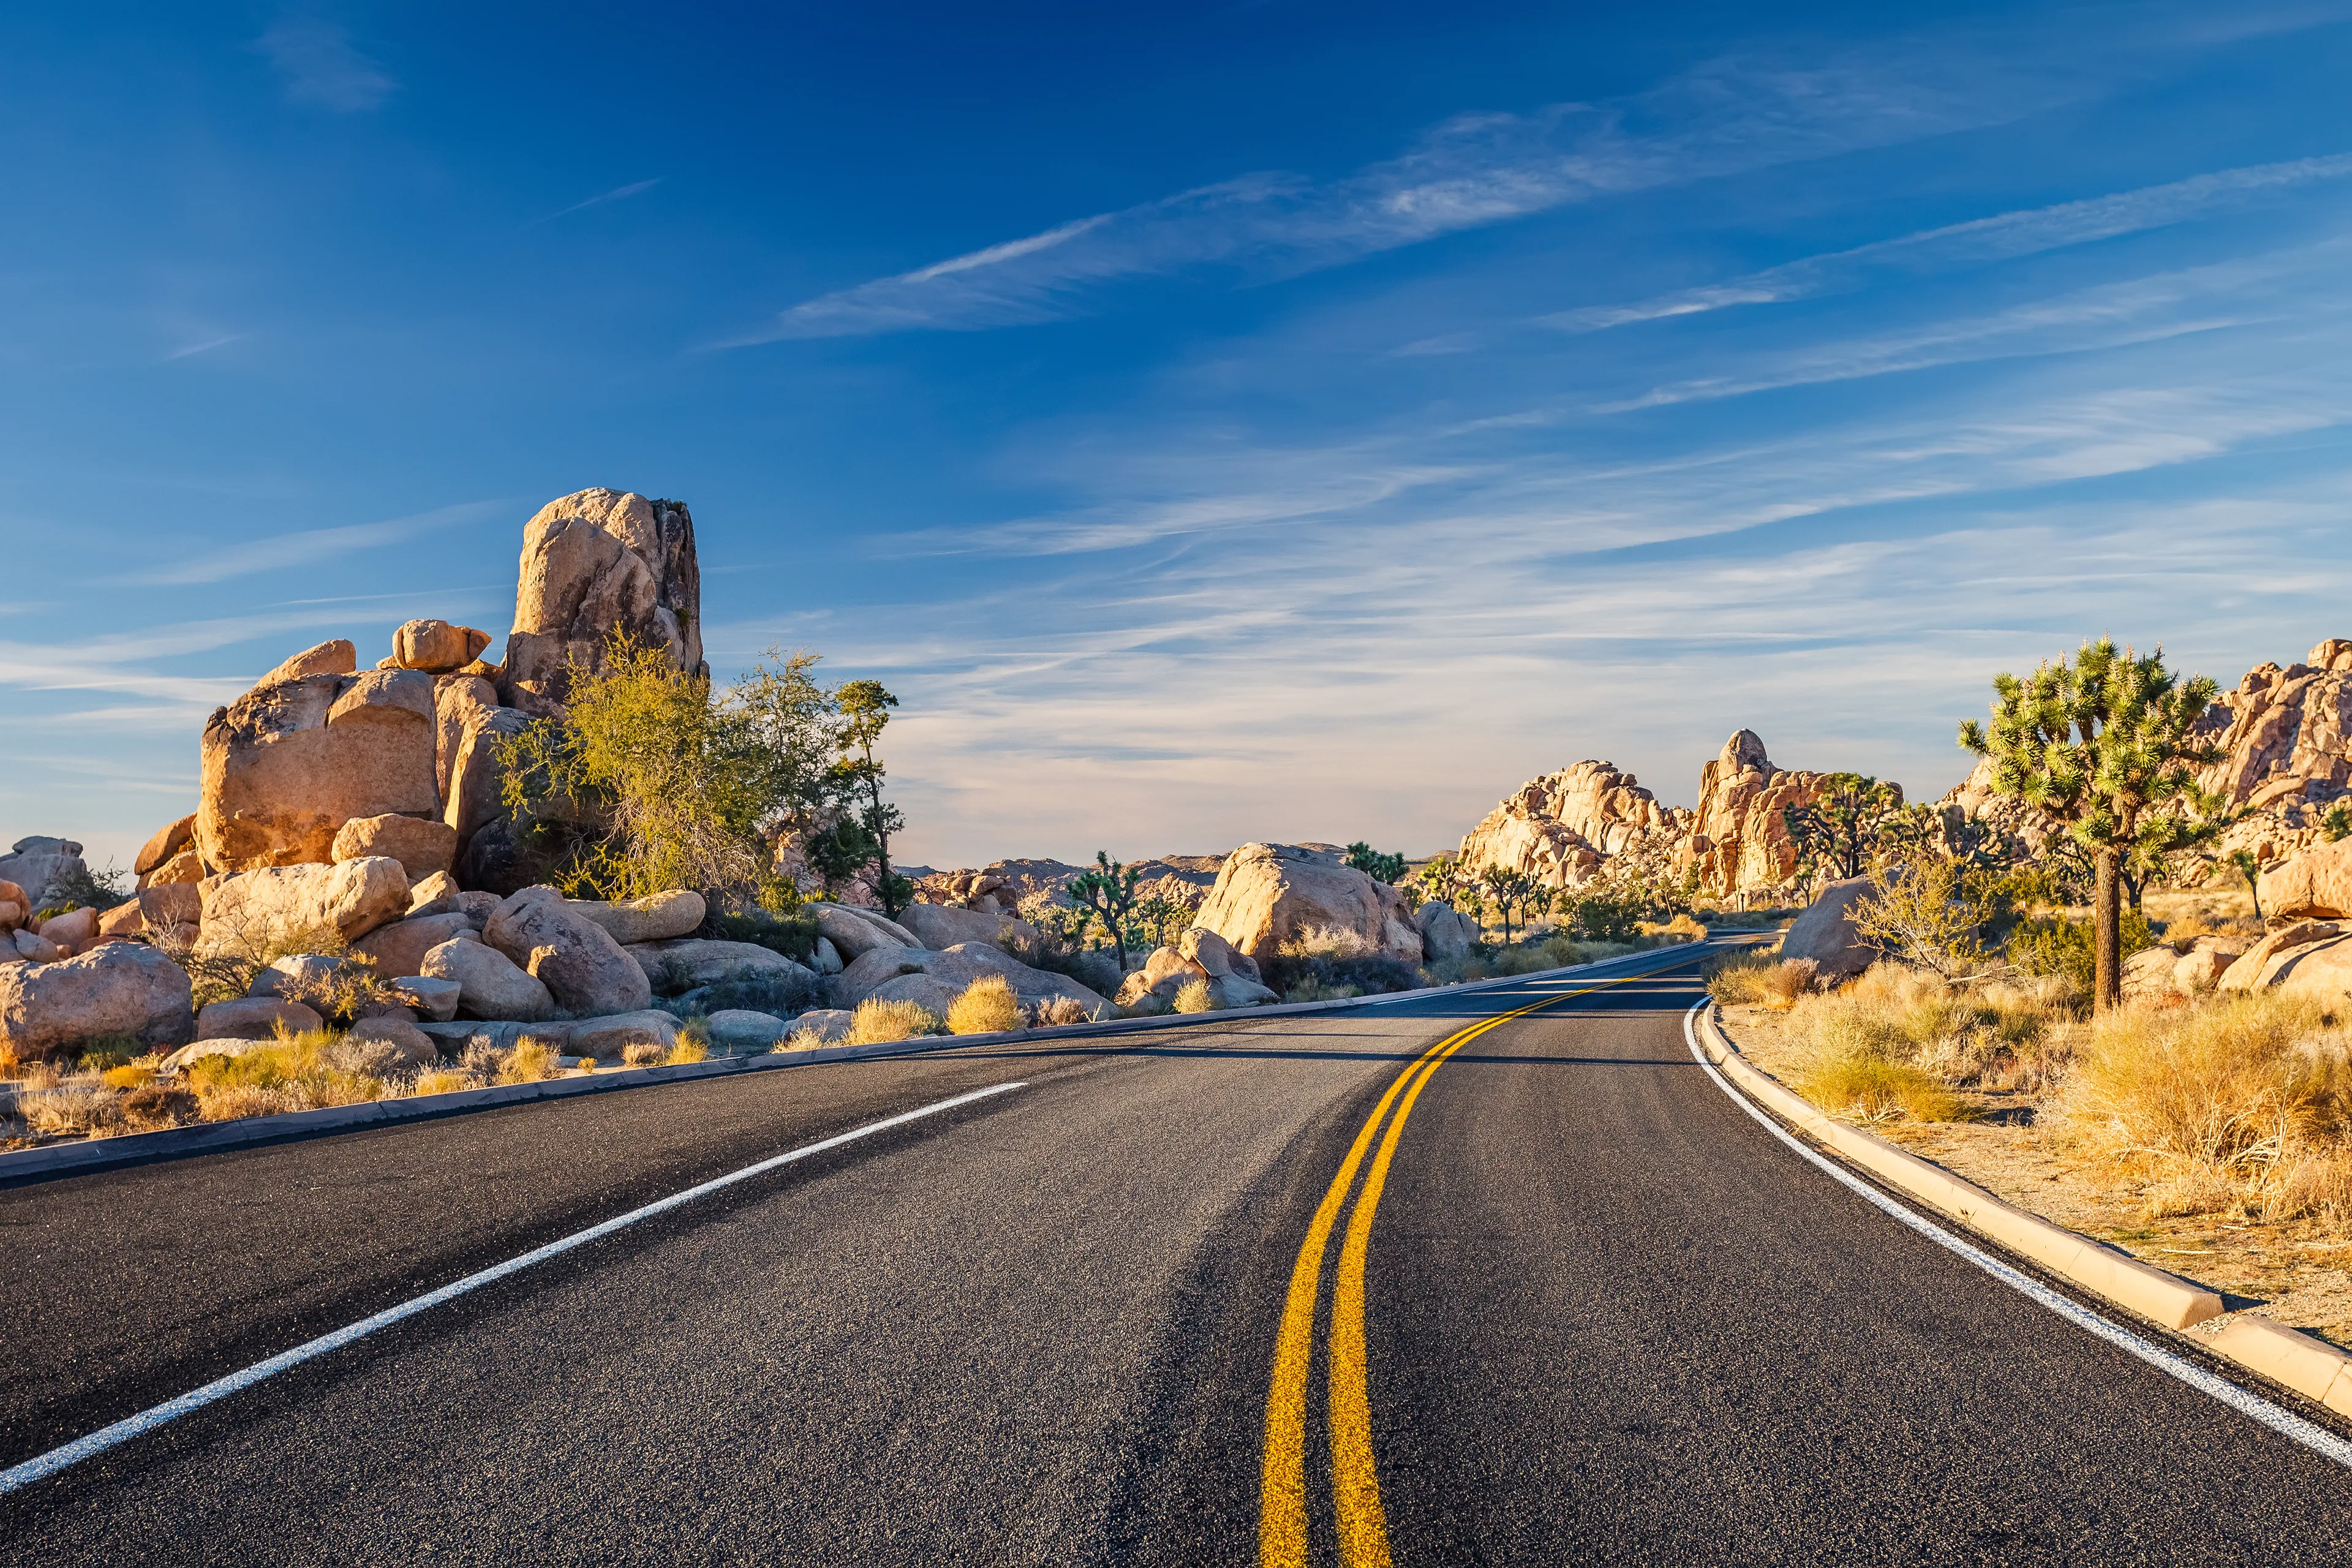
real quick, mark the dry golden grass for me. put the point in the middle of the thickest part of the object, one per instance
(877, 1022)
(445, 1081)
(1895, 1040)
(801, 1039)
(294, 1072)
(532, 1061)
(1194, 996)
(1681, 926)
(685, 1052)
(1326, 941)
(642, 1054)
(1872, 1089)
(70, 1111)
(1761, 975)
(987, 1006)
(2241, 1104)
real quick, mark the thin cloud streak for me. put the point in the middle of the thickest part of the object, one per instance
(2004, 237)
(1473, 171)
(321, 66)
(618, 193)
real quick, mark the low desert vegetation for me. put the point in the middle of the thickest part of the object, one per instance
(878, 1022)
(1194, 996)
(987, 1006)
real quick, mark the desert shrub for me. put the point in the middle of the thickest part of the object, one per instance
(1681, 927)
(686, 1051)
(1739, 977)
(2180, 931)
(804, 1038)
(1326, 941)
(642, 1054)
(1194, 996)
(792, 933)
(85, 889)
(444, 1080)
(2242, 1102)
(1996, 1035)
(1607, 913)
(1050, 1010)
(878, 1022)
(2052, 944)
(71, 1111)
(1311, 989)
(151, 1107)
(532, 1061)
(234, 952)
(127, 1076)
(292, 1073)
(987, 1006)
(367, 1058)
(108, 1052)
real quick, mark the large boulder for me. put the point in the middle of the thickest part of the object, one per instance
(42, 867)
(437, 647)
(2321, 970)
(430, 998)
(2260, 964)
(286, 765)
(572, 956)
(423, 844)
(606, 1037)
(657, 917)
(1215, 956)
(1445, 931)
(742, 1029)
(685, 963)
(402, 1047)
(1825, 932)
(595, 563)
(2316, 883)
(170, 842)
(2208, 959)
(400, 947)
(157, 912)
(489, 984)
(855, 933)
(953, 970)
(944, 926)
(1153, 987)
(243, 910)
(336, 656)
(255, 1018)
(460, 702)
(118, 990)
(1267, 893)
(489, 851)
(15, 906)
(2147, 975)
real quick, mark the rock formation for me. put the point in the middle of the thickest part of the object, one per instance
(596, 564)
(1269, 893)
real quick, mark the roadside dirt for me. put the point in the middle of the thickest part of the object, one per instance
(2294, 1273)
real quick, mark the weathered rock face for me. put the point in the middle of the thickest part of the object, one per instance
(2283, 732)
(40, 866)
(1269, 893)
(284, 902)
(121, 988)
(399, 948)
(1445, 931)
(2261, 965)
(594, 563)
(1825, 932)
(334, 657)
(657, 917)
(170, 841)
(255, 1019)
(942, 926)
(285, 766)
(582, 967)
(1561, 828)
(1739, 837)
(489, 984)
(2316, 883)
(437, 647)
(856, 932)
(423, 845)
(157, 912)
(681, 966)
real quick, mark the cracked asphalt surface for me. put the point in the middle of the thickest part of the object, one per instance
(1609, 1319)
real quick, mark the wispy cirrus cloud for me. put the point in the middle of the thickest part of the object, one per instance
(2002, 237)
(321, 67)
(617, 194)
(306, 547)
(1473, 171)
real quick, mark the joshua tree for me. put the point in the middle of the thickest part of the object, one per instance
(2101, 744)
(2244, 862)
(1109, 890)
(1509, 890)
(1850, 825)
(1379, 867)
(1442, 878)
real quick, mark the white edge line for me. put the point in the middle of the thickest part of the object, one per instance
(2285, 1422)
(46, 1465)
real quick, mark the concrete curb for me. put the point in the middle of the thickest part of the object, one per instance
(21, 1166)
(2293, 1359)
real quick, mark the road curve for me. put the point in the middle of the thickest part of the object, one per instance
(1583, 1307)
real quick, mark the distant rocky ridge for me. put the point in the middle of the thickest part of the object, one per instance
(2284, 736)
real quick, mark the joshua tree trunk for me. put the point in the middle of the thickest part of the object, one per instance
(2107, 931)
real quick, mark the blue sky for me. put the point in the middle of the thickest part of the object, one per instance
(1271, 421)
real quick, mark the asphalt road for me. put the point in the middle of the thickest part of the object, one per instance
(1601, 1316)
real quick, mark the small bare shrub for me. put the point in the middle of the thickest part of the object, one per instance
(642, 1054)
(1313, 990)
(1327, 942)
(233, 952)
(151, 1107)
(1051, 1011)
(987, 1006)
(878, 1022)
(1194, 996)
(1737, 978)
(71, 1111)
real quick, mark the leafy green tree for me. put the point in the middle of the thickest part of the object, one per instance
(864, 708)
(1107, 892)
(2338, 822)
(2102, 743)
(1379, 867)
(837, 852)
(1855, 822)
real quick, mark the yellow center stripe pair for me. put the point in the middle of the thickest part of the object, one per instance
(1355, 1481)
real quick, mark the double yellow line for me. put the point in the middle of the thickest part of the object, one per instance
(1355, 1480)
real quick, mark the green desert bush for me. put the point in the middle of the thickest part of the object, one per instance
(294, 1072)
